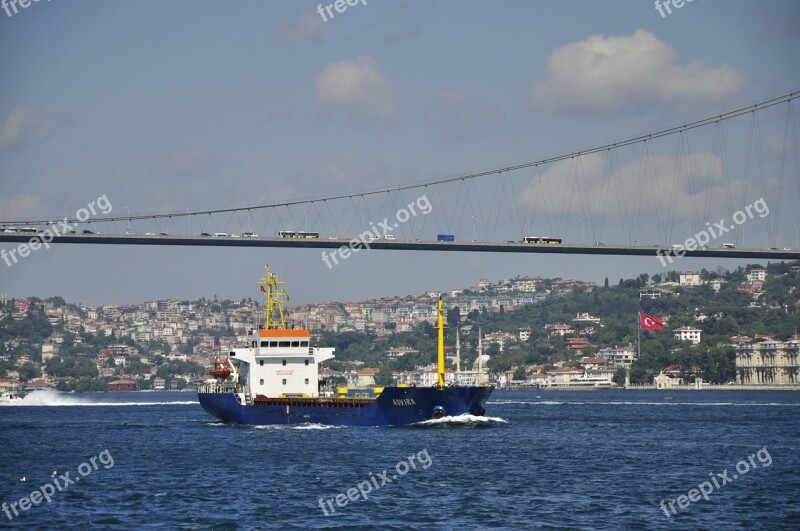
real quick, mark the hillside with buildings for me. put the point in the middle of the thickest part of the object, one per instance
(737, 327)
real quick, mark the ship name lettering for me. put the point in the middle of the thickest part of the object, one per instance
(404, 402)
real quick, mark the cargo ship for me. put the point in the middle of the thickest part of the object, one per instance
(274, 380)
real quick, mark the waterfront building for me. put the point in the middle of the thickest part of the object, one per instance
(768, 363)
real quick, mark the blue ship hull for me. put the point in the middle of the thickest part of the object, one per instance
(395, 406)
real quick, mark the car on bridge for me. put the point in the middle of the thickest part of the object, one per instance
(249, 235)
(220, 234)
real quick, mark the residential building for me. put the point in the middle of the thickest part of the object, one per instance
(584, 318)
(717, 283)
(361, 378)
(122, 385)
(525, 285)
(687, 333)
(49, 350)
(689, 278)
(594, 362)
(430, 377)
(618, 356)
(501, 339)
(396, 352)
(577, 343)
(563, 376)
(650, 293)
(561, 329)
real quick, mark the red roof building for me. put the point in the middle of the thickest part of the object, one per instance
(122, 385)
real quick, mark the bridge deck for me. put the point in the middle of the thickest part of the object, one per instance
(406, 245)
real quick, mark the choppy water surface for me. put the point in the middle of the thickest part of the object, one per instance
(586, 459)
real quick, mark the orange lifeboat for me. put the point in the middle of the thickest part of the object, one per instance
(220, 369)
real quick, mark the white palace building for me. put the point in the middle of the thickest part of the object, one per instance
(768, 363)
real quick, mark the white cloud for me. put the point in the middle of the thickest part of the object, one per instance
(462, 118)
(307, 27)
(776, 144)
(23, 125)
(191, 163)
(357, 89)
(604, 74)
(582, 186)
(21, 206)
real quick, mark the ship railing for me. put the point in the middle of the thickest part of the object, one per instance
(215, 387)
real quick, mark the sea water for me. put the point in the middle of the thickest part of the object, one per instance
(559, 459)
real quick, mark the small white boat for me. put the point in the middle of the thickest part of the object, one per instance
(9, 397)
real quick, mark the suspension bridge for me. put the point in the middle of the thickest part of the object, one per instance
(725, 186)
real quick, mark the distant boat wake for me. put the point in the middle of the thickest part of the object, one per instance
(51, 398)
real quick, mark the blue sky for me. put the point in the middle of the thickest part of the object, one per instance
(164, 106)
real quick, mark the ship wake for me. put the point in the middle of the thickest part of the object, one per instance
(46, 397)
(465, 421)
(305, 426)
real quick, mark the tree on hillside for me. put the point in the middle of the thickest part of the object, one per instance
(29, 371)
(384, 377)
(453, 316)
(639, 375)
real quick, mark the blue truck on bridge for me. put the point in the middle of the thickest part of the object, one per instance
(445, 238)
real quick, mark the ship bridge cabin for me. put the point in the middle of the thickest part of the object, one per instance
(280, 363)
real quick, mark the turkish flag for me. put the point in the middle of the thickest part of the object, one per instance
(649, 322)
(262, 289)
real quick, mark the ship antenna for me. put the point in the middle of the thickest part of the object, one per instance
(274, 298)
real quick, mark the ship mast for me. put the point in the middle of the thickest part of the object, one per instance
(274, 297)
(480, 357)
(458, 351)
(440, 327)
